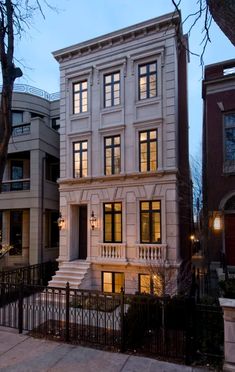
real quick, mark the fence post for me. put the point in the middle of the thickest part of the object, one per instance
(122, 325)
(67, 312)
(20, 308)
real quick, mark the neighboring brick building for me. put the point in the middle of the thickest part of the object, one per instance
(219, 161)
(124, 181)
(29, 202)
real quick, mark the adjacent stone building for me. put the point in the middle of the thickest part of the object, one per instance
(29, 202)
(125, 191)
(219, 162)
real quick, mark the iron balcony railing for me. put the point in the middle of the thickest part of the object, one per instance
(13, 185)
(19, 130)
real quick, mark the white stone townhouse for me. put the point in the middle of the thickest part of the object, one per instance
(124, 176)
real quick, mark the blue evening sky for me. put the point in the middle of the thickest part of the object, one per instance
(80, 20)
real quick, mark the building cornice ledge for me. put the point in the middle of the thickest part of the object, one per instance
(115, 177)
(121, 36)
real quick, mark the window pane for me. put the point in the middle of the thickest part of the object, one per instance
(229, 120)
(144, 283)
(145, 238)
(116, 101)
(116, 77)
(118, 282)
(108, 207)
(156, 205)
(143, 69)
(108, 103)
(108, 228)
(108, 89)
(230, 144)
(143, 136)
(153, 134)
(156, 228)
(107, 79)
(144, 206)
(152, 67)
(84, 85)
(117, 140)
(143, 95)
(117, 227)
(108, 141)
(107, 282)
(84, 145)
(153, 156)
(117, 206)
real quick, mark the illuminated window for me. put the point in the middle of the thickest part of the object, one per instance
(112, 155)
(112, 89)
(229, 137)
(112, 222)
(149, 284)
(144, 283)
(80, 159)
(148, 151)
(80, 97)
(150, 222)
(112, 282)
(148, 80)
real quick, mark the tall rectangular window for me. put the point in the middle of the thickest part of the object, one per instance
(112, 155)
(112, 89)
(16, 230)
(113, 222)
(147, 80)
(112, 282)
(80, 97)
(17, 173)
(150, 222)
(148, 150)
(229, 137)
(80, 162)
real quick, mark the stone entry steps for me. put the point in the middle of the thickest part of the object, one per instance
(73, 272)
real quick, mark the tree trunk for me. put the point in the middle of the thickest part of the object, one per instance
(223, 13)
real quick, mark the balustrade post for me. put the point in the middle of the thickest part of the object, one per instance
(20, 308)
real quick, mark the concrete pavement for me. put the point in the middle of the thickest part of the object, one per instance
(22, 353)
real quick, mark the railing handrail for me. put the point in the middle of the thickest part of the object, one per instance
(25, 88)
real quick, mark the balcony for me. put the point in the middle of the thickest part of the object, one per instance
(112, 252)
(20, 130)
(150, 253)
(13, 185)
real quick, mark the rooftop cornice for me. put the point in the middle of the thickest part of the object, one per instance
(121, 36)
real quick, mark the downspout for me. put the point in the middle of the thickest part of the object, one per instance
(42, 209)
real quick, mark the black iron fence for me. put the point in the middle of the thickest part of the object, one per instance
(38, 274)
(175, 329)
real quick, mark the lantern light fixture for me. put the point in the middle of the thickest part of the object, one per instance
(93, 220)
(60, 221)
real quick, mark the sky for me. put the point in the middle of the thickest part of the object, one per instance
(75, 21)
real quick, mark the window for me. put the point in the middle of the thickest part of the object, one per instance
(17, 118)
(112, 89)
(52, 168)
(16, 221)
(55, 123)
(17, 167)
(80, 159)
(112, 155)
(80, 97)
(150, 222)
(150, 284)
(148, 80)
(229, 127)
(148, 151)
(112, 282)
(112, 222)
(52, 229)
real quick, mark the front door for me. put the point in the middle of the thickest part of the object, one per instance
(82, 242)
(230, 238)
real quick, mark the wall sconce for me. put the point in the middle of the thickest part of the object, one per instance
(217, 225)
(192, 238)
(60, 221)
(93, 220)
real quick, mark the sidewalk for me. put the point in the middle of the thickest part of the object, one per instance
(22, 353)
